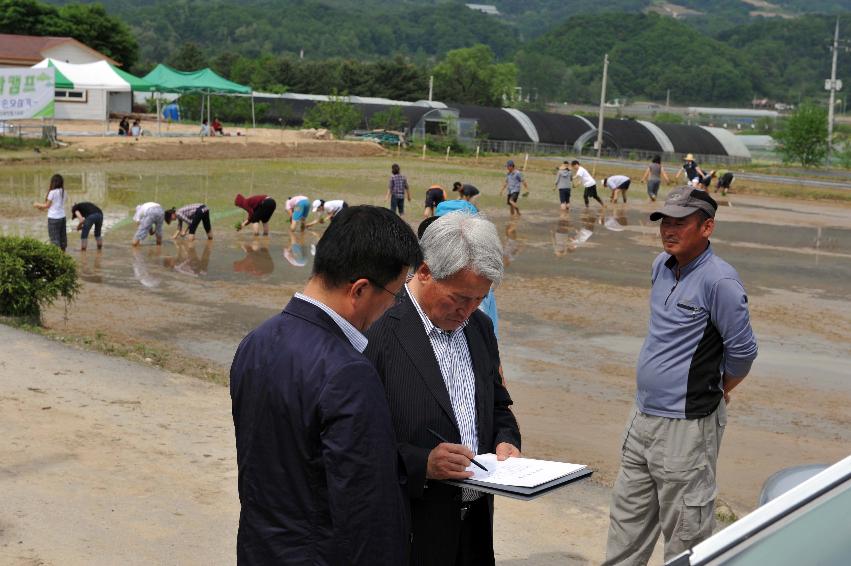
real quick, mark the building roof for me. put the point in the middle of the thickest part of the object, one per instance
(30, 49)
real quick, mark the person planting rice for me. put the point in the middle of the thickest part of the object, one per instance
(88, 215)
(260, 209)
(298, 207)
(326, 209)
(192, 215)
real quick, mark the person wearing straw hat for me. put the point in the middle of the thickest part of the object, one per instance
(690, 168)
(326, 209)
(434, 196)
(699, 347)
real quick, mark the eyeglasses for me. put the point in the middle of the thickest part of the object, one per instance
(375, 284)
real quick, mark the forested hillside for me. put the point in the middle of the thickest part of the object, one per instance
(718, 53)
(785, 60)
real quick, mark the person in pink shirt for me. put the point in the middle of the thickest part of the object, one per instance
(298, 207)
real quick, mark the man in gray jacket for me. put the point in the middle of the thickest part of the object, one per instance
(698, 348)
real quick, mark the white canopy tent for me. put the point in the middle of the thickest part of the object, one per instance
(92, 90)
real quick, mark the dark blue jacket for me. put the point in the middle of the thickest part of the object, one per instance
(318, 473)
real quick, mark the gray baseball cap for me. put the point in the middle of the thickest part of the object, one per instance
(683, 201)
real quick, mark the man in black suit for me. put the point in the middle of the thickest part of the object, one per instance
(319, 482)
(438, 358)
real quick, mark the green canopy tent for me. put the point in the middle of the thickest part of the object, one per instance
(204, 81)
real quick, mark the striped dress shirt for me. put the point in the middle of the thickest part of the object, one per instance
(355, 336)
(456, 367)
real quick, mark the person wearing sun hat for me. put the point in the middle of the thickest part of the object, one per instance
(699, 346)
(691, 169)
(326, 209)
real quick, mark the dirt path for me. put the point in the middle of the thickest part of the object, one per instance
(105, 461)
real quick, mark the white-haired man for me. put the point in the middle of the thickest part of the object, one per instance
(437, 356)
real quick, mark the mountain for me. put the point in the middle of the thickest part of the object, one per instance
(785, 60)
(713, 52)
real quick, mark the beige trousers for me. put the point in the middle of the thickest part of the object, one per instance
(666, 483)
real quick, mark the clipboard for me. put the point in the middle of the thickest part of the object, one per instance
(524, 493)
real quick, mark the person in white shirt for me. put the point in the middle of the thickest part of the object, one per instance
(618, 184)
(150, 217)
(326, 209)
(54, 204)
(581, 173)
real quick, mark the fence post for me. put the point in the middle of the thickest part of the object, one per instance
(478, 147)
(448, 147)
(424, 150)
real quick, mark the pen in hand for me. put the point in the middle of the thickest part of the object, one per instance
(440, 438)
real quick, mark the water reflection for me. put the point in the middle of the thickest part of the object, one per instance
(186, 260)
(513, 246)
(615, 218)
(257, 260)
(142, 259)
(90, 266)
(563, 241)
(295, 253)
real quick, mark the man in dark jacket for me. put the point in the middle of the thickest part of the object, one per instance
(318, 477)
(438, 358)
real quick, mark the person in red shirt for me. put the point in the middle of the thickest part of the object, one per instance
(259, 208)
(216, 128)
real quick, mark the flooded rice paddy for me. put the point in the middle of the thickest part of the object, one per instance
(573, 307)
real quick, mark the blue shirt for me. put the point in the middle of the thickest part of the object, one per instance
(515, 178)
(488, 306)
(448, 206)
(699, 330)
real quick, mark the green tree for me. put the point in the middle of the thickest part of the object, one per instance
(390, 119)
(804, 136)
(188, 58)
(90, 24)
(471, 76)
(336, 114)
(87, 23)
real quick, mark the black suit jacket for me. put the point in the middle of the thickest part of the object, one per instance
(419, 400)
(318, 468)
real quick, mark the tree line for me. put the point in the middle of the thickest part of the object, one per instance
(390, 49)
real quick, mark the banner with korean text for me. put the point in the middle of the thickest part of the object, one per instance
(26, 93)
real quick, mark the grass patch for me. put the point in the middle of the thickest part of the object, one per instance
(724, 514)
(15, 143)
(155, 355)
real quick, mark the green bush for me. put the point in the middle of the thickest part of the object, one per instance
(33, 275)
(439, 145)
(336, 114)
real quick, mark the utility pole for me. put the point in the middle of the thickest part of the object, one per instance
(602, 106)
(668, 100)
(833, 87)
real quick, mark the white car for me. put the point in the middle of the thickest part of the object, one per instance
(808, 525)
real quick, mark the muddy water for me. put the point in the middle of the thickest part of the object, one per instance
(799, 254)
